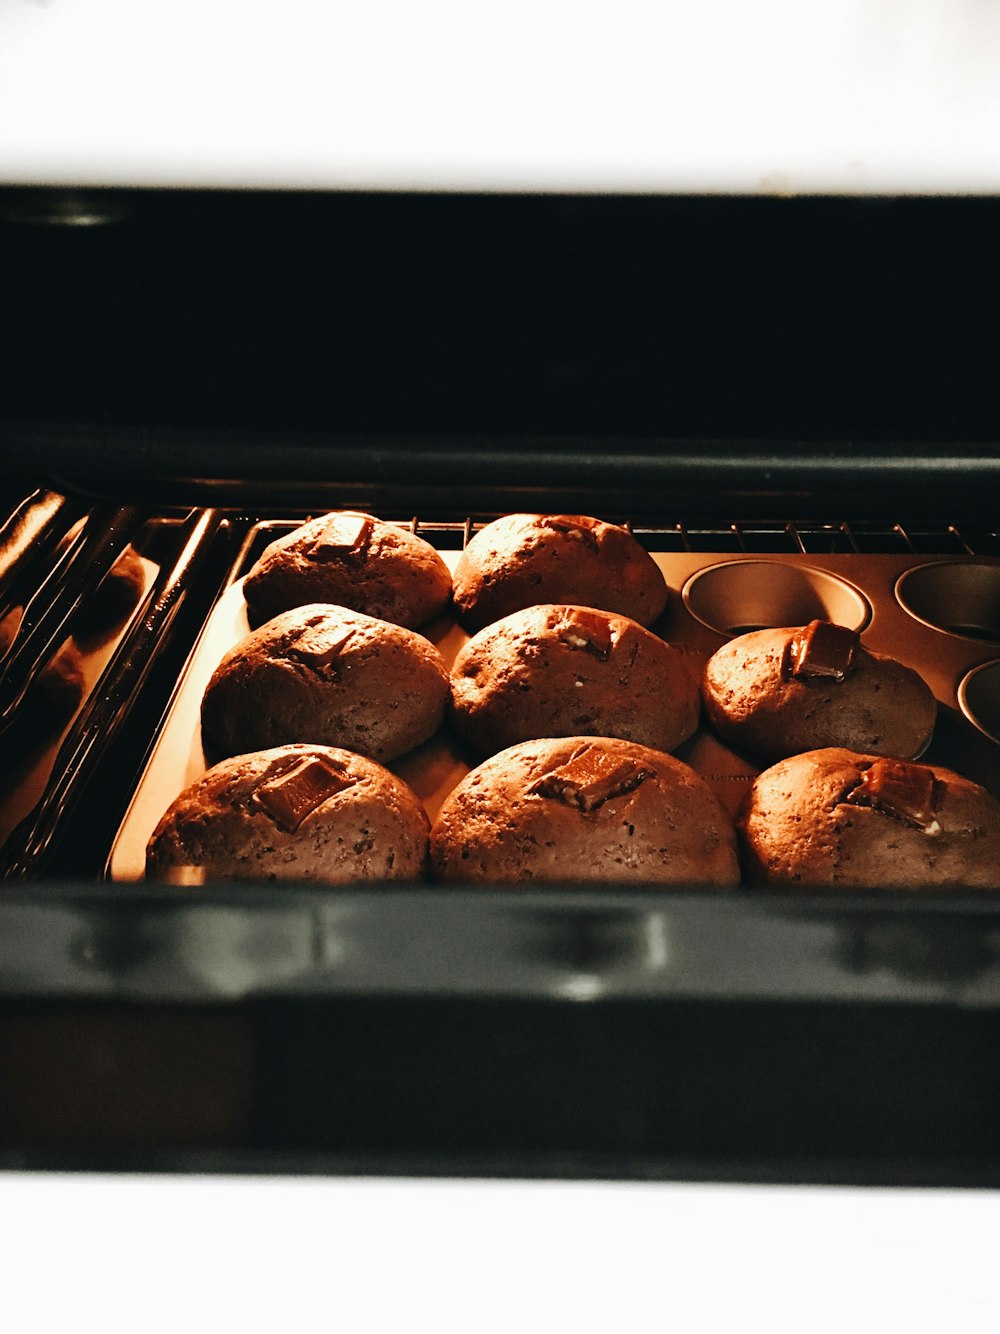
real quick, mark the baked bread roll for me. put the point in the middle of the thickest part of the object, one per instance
(833, 818)
(779, 692)
(352, 560)
(292, 813)
(326, 674)
(593, 809)
(522, 560)
(553, 671)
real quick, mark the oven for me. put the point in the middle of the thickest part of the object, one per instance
(794, 394)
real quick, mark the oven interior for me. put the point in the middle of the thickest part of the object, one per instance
(802, 381)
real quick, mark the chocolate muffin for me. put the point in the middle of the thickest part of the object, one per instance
(779, 692)
(592, 809)
(292, 813)
(329, 675)
(551, 671)
(522, 560)
(832, 818)
(353, 560)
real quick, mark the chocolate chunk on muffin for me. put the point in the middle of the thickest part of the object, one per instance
(585, 808)
(330, 675)
(352, 560)
(552, 671)
(833, 818)
(522, 560)
(292, 812)
(778, 692)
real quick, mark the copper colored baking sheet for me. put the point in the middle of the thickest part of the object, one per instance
(860, 586)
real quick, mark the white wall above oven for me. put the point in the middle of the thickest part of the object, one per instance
(776, 96)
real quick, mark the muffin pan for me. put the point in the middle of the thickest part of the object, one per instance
(941, 618)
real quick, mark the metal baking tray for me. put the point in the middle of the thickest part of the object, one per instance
(939, 616)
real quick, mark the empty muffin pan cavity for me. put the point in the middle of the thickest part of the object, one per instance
(736, 597)
(979, 698)
(959, 598)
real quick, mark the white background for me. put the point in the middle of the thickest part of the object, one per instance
(295, 1256)
(775, 95)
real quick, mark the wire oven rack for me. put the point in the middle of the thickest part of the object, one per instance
(52, 582)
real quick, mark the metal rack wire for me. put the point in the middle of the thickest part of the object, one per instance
(779, 536)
